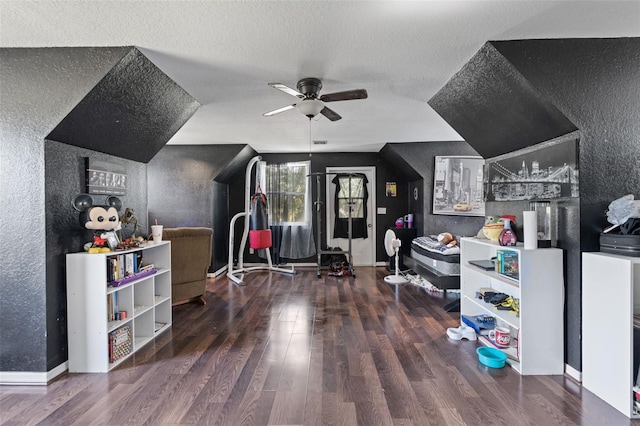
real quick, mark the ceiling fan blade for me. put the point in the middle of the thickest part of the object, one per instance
(279, 110)
(330, 114)
(286, 89)
(344, 96)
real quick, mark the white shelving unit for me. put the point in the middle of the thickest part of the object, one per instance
(610, 298)
(539, 327)
(146, 300)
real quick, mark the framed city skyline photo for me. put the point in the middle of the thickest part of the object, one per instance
(546, 173)
(458, 186)
(105, 178)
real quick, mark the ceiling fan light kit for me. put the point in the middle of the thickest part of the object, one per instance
(312, 104)
(310, 107)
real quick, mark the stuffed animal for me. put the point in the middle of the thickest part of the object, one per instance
(447, 239)
(492, 224)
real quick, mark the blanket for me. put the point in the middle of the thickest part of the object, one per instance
(431, 243)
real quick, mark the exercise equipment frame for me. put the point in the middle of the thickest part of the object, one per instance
(241, 269)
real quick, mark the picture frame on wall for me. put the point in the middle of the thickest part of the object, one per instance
(458, 186)
(546, 171)
(105, 178)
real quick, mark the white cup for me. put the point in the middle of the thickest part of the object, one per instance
(156, 233)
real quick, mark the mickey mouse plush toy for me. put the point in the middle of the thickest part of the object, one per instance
(101, 219)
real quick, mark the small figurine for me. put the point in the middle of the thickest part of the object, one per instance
(129, 218)
(102, 219)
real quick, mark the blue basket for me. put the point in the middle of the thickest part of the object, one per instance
(491, 357)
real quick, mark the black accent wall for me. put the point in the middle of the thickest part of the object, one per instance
(595, 85)
(495, 108)
(131, 113)
(182, 191)
(319, 162)
(65, 177)
(421, 158)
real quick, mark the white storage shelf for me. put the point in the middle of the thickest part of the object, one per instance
(607, 327)
(147, 301)
(538, 328)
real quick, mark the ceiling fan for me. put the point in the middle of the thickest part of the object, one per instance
(311, 104)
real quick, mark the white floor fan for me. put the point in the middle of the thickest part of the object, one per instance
(392, 246)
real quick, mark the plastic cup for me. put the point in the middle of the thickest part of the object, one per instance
(156, 233)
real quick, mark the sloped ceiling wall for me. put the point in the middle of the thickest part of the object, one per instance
(131, 113)
(495, 109)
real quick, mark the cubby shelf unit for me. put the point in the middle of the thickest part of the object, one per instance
(146, 300)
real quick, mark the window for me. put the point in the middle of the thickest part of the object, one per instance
(287, 188)
(351, 189)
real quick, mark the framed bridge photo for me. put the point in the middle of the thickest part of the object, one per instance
(543, 172)
(458, 185)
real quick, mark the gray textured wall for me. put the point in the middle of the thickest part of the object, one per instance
(39, 87)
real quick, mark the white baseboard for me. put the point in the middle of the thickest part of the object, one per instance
(218, 272)
(32, 378)
(573, 373)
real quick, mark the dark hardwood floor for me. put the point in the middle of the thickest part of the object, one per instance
(291, 350)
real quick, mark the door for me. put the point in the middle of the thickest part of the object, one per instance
(362, 249)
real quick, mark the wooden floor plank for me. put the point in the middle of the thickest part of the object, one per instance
(298, 349)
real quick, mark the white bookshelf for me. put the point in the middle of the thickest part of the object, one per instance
(146, 300)
(610, 298)
(538, 329)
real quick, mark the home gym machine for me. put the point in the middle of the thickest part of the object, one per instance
(241, 269)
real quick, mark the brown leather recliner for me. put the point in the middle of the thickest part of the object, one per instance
(190, 261)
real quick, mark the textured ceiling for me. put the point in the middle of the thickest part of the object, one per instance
(225, 53)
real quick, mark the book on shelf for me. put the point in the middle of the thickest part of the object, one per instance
(120, 343)
(112, 306)
(506, 263)
(159, 325)
(129, 262)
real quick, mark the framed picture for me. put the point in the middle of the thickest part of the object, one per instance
(391, 189)
(106, 178)
(544, 172)
(458, 186)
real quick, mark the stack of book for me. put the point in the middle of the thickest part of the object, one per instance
(123, 265)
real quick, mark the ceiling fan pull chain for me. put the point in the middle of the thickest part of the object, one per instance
(310, 143)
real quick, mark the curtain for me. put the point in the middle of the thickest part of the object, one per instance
(288, 191)
(350, 199)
